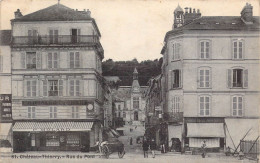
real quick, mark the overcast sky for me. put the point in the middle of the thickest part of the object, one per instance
(130, 28)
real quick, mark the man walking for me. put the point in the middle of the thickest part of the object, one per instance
(153, 147)
(145, 147)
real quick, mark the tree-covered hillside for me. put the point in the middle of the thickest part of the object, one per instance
(124, 70)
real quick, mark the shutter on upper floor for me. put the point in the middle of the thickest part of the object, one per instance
(81, 87)
(45, 87)
(180, 78)
(229, 79)
(245, 78)
(61, 85)
(23, 60)
(25, 88)
(38, 60)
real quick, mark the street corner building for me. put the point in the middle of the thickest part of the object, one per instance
(209, 82)
(57, 83)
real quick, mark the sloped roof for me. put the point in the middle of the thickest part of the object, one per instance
(218, 23)
(124, 92)
(178, 8)
(5, 37)
(57, 12)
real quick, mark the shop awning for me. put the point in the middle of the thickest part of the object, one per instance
(52, 126)
(5, 130)
(215, 130)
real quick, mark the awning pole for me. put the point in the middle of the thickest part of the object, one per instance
(242, 139)
(230, 136)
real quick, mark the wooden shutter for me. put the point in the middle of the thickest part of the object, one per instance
(25, 88)
(245, 78)
(198, 78)
(45, 87)
(1, 63)
(39, 60)
(79, 33)
(172, 81)
(58, 59)
(60, 87)
(81, 84)
(23, 60)
(180, 79)
(229, 78)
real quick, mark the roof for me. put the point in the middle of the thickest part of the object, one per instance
(57, 12)
(178, 8)
(218, 23)
(5, 37)
(124, 92)
(135, 83)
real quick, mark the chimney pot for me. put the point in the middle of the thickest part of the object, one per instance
(247, 14)
(186, 9)
(17, 14)
(194, 11)
(84, 9)
(198, 11)
(190, 10)
(88, 13)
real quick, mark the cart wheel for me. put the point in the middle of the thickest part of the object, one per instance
(121, 153)
(106, 151)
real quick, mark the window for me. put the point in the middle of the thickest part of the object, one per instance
(136, 102)
(53, 88)
(74, 60)
(119, 114)
(136, 116)
(237, 78)
(237, 49)
(53, 112)
(176, 48)
(52, 139)
(74, 88)
(75, 35)
(53, 60)
(31, 88)
(31, 112)
(53, 36)
(237, 105)
(204, 50)
(73, 140)
(204, 105)
(124, 114)
(204, 78)
(176, 79)
(119, 107)
(32, 36)
(31, 60)
(75, 112)
(176, 104)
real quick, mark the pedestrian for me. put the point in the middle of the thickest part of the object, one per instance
(153, 147)
(203, 148)
(145, 147)
(131, 141)
(163, 148)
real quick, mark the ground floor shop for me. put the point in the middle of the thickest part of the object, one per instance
(55, 136)
(210, 131)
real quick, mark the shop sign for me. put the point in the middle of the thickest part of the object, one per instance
(51, 129)
(60, 102)
(6, 107)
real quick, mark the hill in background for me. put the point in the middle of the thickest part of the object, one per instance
(124, 70)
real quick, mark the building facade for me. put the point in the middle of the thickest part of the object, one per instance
(129, 107)
(5, 86)
(57, 83)
(209, 70)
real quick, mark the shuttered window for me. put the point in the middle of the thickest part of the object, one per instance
(204, 105)
(31, 112)
(53, 112)
(176, 48)
(31, 88)
(176, 104)
(75, 112)
(238, 49)
(204, 50)
(74, 88)
(237, 78)
(53, 60)
(176, 78)
(237, 105)
(204, 77)
(74, 60)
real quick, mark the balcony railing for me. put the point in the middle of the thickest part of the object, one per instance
(54, 40)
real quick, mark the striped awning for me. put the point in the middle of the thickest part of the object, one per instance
(52, 126)
(215, 130)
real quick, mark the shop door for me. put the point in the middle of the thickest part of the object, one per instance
(85, 142)
(19, 142)
(63, 142)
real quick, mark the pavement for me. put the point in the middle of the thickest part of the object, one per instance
(133, 154)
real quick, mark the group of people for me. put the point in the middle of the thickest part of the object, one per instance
(149, 144)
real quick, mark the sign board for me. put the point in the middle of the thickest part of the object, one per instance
(6, 107)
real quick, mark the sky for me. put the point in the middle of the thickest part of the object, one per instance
(130, 28)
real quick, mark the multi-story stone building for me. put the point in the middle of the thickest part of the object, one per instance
(56, 80)
(210, 70)
(5, 86)
(129, 107)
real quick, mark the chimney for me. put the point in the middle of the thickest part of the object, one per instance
(88, 13)
(186, 9)
(17, 14)
(247, 14)
(191, 15)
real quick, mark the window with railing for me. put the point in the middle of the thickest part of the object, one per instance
(31, 60)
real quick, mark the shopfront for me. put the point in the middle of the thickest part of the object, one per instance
(52, 136)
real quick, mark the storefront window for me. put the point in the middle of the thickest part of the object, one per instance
(33, 140)
(52, 140)
(72, 140)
